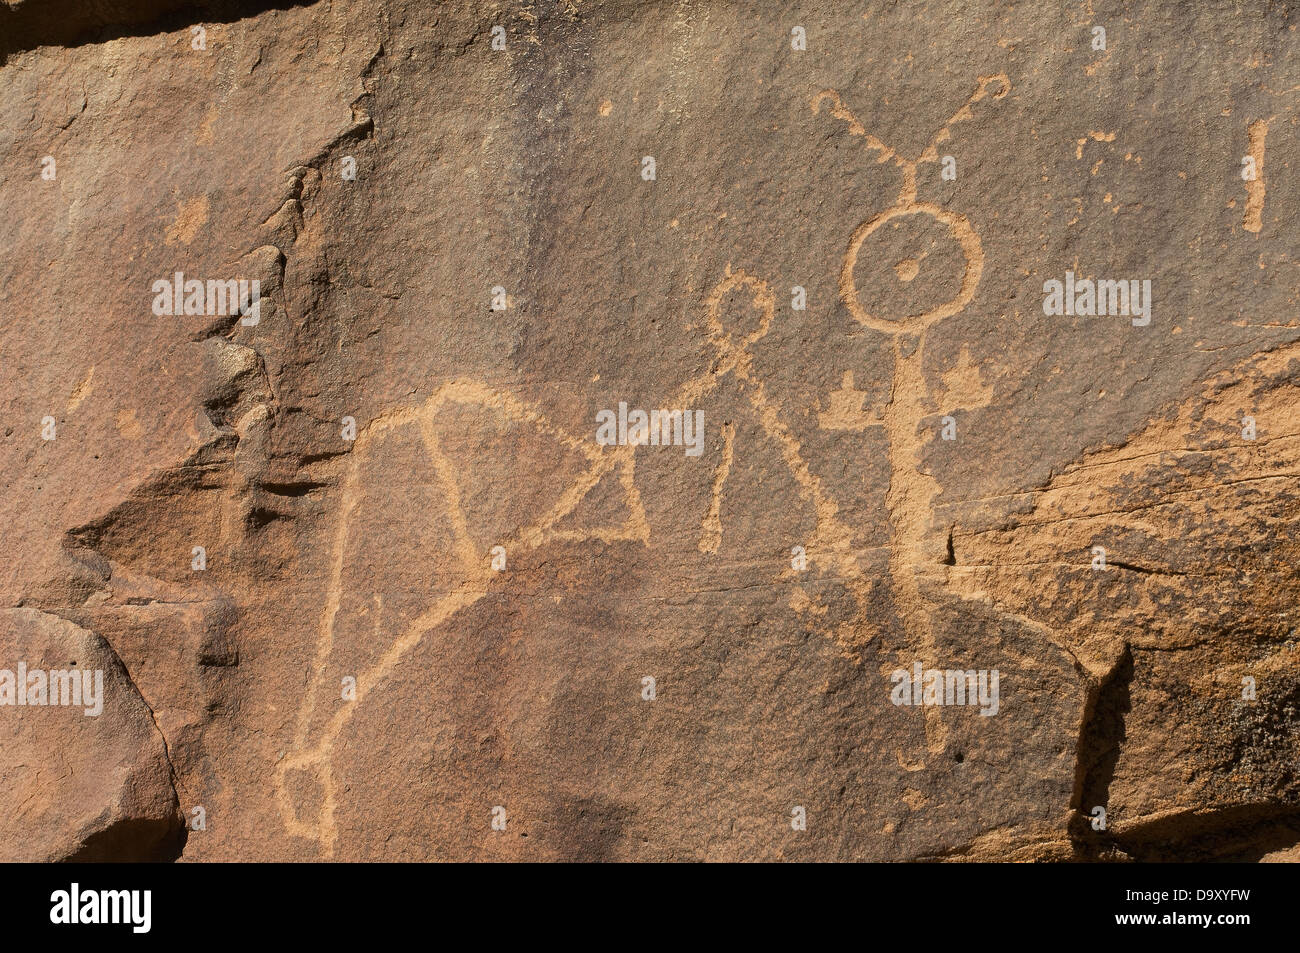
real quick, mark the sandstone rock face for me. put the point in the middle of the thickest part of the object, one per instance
(77, 783)
(363, 574)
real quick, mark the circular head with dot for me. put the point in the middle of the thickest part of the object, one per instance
(908, 267)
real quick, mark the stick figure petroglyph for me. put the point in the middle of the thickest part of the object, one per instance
(910, 492)
(831, 543)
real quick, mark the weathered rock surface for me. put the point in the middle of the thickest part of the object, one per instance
(78, 786)
(463, 259)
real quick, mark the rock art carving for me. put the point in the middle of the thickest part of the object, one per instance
(910, 492)
(830, 547)
(313, 756)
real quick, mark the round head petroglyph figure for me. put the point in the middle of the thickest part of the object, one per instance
(907, 209)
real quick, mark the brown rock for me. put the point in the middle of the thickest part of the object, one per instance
(463, 261)
(87, 780)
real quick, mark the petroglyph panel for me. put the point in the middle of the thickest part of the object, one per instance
(656, 418)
